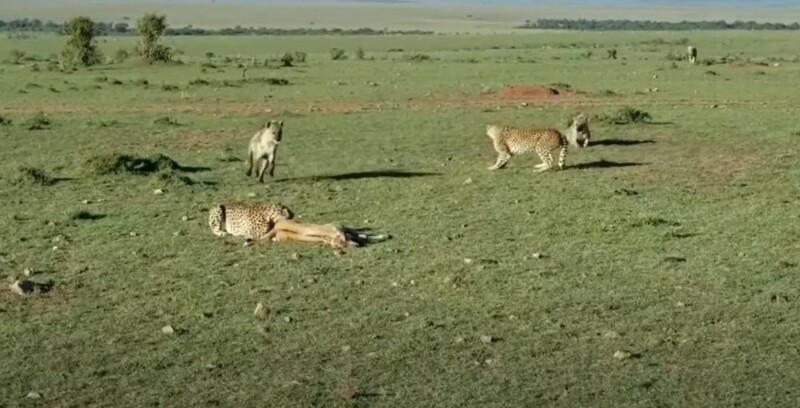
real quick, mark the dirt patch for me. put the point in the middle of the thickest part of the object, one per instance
(531, 92)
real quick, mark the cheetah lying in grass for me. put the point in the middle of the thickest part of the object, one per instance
(273, 222)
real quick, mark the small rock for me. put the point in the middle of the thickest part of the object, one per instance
(295, 256)
(55, 247)
(468, 180)
(133, 233)
(610, 334)
(28, 272)
(537, 255)
(395, 284)
(261, 311)
(622, 355)
(247, 243)
(168, 329)
(34, 395)
(467, 261)
(185, 218)
(86, 201)
(680, 304)
(459, 339)
(158, 191)
(345, 349)
(251, 194)
(487, 339)
(176, 233)
(287, 319)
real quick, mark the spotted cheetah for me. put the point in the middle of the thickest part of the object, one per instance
(509, 141)
(252, 221)
(271, 222)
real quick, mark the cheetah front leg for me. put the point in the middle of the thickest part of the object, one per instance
(502, 159)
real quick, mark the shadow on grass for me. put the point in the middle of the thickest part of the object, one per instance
(619, 142)
(605, 164)
(365, 175)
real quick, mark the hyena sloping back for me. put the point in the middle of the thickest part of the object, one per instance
(263, 149)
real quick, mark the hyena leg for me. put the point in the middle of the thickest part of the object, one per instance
(262, 168)
(271, 165)
(249, 163)
(562, 157)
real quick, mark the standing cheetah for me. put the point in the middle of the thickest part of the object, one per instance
(509, 141)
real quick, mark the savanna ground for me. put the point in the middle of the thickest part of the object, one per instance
(672, 242)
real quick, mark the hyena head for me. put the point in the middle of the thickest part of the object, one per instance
(578, 133)
(274, 129)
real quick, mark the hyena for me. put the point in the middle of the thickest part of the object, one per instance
(263, 149)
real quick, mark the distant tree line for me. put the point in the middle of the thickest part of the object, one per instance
(104, 29)
(648, 25)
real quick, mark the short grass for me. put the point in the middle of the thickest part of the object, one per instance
(674, 241)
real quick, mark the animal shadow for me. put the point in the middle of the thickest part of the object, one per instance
(619, 142)
(603, 164)
(368, 175)
(193, 169)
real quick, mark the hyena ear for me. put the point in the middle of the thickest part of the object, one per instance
(280, 123)
(268, 124)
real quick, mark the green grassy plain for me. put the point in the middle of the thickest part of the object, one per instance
(674, 241)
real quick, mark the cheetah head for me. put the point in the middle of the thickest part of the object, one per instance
(493, 131)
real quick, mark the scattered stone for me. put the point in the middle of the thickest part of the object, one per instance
(611, 334)
(622, 355)
(251, 194)
(28, 272)
(680, 304)
(133, 233)
(459, 339)
(625, 191)
(158, 191)
(468, 180)
(168, 329)
(86, 201)
(34, 395)
(55, 247)
(287, 319)
(487, 339)
(261, 311)
(185, 218)
(345, 349)
(537, 255)
(176, 233)
(467, 261)
(295, 256)
(247, 243)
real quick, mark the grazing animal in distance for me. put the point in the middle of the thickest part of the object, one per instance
(263, 149)
(692, 54)
(509, 141)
